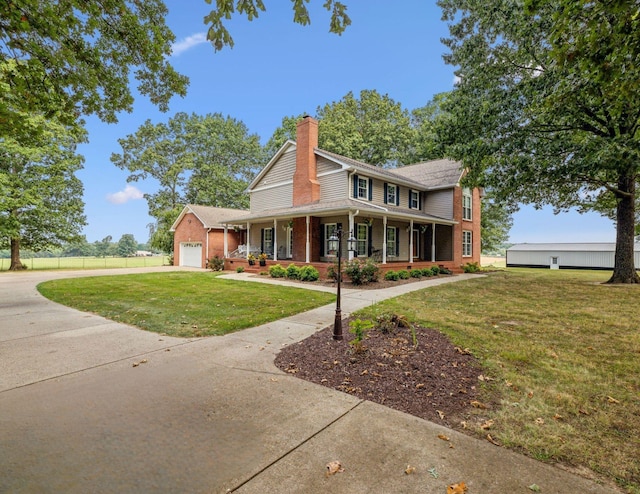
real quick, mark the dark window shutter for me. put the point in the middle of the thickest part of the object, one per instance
(386, 189)
(355, 186)
(262, 240)
(420, 201)
(397, 241)
(370, 246)
(323, 230)
(397, 196)
(410, 198)
(370, 188)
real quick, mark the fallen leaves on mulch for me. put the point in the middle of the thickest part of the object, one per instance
(434, 380)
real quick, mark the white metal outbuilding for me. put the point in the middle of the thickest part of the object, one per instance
(566, 256)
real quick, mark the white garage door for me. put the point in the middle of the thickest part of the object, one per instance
(191, 254)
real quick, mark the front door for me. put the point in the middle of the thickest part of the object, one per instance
(416, 244)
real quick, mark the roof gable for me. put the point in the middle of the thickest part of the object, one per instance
(434, 174)
(209, 216)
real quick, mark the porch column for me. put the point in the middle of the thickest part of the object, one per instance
(349, 233)
(225, 243)
(433, 242)
(248, 238)
(384, 239)
(411, 241)
(275, 239)
(308, 241)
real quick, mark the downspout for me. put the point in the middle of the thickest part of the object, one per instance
(225, 243)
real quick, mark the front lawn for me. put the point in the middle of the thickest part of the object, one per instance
(183, 304)
(561, 358)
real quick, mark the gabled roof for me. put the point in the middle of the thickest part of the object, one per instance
(434, 174)
(209, 216)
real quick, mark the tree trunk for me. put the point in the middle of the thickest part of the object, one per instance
(624, 270)
(16, 263)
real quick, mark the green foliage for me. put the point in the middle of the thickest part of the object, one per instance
(391, 276)
(309, 273)
(403, 274)
(77, 57)
(359, 329)
(293, 272)
(127, 245)
(471, 267)
(277, 271)
(547, 109)
(220, 36)
(386, 323)
(361, 272)
(435, 270)
(426, 272)
(332, 271)
(416, 273)
(240, 269)
(496, 221)
(216, 264)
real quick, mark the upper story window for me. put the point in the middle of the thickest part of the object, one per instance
(414, 199)
(362, 188)
(391, 194)
(466, 204)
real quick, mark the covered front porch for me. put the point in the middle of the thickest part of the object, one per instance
(386, 238)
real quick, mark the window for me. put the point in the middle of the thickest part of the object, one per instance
(466, 244)
(391, 194)
(466, 204)
(363, 188)
(329, 229)
(363, 239)
(392, 241)
(267, 241)
(289, 242)
(414, 199)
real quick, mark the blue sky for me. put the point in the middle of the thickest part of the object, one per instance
(278, 68)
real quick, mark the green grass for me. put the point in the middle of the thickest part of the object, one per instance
(562, 352)
(87, 262)
(183, 304)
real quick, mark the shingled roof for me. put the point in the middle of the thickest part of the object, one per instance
(433, 174)
(209, 216)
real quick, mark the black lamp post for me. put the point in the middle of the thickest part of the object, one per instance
(335, 244)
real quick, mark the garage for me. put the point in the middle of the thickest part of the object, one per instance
(191, 254)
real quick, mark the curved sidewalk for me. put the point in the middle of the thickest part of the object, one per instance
(213, 415)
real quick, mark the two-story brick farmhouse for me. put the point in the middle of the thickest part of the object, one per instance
(411, 216)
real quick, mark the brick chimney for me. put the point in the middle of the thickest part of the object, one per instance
(306, 188)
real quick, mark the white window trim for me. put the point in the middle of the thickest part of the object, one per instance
(366, 188)
(417, 194)
(466, 196)
(268, 250)
(365, 228)
(391, 246)
(467, 243)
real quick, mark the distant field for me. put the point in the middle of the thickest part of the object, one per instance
(88, 262)
(496, 262)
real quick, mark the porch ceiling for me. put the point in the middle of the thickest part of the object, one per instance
(338, 207)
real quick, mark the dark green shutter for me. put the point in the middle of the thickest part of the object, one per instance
(323, 230)
(386, 190)
(370, 188)
(355, 186)
(397, 241)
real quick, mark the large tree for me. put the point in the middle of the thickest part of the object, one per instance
(208, 160)
(79, 55)
(547, 109)
(40, 196)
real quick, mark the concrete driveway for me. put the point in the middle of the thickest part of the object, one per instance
(211, 415)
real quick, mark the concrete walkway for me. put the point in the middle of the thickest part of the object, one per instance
(212, 415)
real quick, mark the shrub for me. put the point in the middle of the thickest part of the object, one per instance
(309, 273)
(332, 272)
(445, 271)
(361, 272)
(403, 274)
(359, 329)
(293, 272)
(471, 267)
(385, 323)
(277, 271)
(216, 264)
(435, 270)
(391, 276)
(426, 272)
(240, 269)
(416, 273)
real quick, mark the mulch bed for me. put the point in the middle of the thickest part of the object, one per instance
(434, 380)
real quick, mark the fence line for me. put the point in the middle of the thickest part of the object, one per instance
(36, 263)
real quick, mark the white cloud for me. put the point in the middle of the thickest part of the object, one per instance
(187, 43)
(130, 193)
(456, 80)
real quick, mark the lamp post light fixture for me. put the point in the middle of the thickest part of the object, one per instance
(334, 244)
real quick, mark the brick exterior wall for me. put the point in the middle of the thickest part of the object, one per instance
(191, 229)
(306, 188)
(464, 225)
(300, 239)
